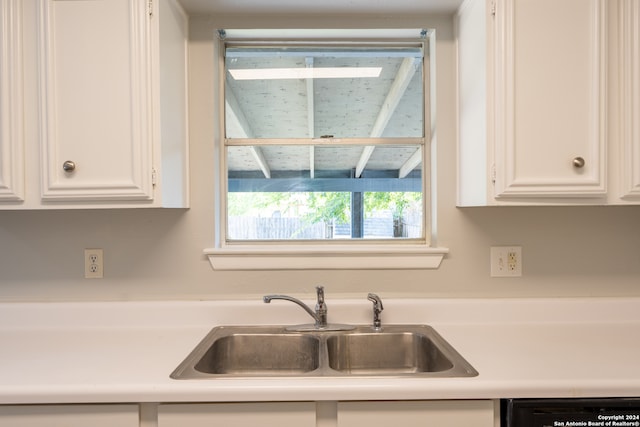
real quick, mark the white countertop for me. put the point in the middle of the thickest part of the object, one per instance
(125, 351)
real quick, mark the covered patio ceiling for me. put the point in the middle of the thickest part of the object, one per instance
(328, 111)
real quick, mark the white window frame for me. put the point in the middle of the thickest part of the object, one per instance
(321, 254)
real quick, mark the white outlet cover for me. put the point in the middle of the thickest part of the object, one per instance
(500, 266)
(93, 263)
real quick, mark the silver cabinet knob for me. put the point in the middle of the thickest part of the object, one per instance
(69, 166)
(578, 162)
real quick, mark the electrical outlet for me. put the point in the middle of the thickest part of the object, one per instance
(506, 261)
(93, 264)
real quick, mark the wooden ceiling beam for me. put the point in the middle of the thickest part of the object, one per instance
(237, 120)
(399, 86)
(311, 119)
(411, 163)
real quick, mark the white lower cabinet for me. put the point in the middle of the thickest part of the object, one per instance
(422, 413)
(440, 413)
(459, 413)
(69, 415)
(271, 414)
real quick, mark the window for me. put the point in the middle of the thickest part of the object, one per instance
(323, 146)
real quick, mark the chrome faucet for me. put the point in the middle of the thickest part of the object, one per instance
(377, 308)
(320, 314)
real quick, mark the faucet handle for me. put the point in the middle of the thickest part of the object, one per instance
(321, 308)
(377, 302)
(320, 294)
(377, 308)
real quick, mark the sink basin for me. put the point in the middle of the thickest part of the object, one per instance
(261, 354)
(251, 351)
(386, 353)
(270, 351)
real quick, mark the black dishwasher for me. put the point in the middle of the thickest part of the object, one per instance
(609, 412)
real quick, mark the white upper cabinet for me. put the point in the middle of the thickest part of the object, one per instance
(538, 123)
(96, 100)
(11, 130)
(105, 91)
(549, 98)
(629, 72)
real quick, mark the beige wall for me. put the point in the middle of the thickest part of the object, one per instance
(157, 254)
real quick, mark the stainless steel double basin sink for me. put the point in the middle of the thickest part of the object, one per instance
(274, 351)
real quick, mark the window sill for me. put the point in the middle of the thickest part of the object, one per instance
(345, 257)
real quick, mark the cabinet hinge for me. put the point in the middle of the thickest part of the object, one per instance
(493, 173)
(154, 176)
(493, 8)
(150, 8)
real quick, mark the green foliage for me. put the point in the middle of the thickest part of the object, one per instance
(318, 206)
(242, 204)
(328, 207)
(396, 202)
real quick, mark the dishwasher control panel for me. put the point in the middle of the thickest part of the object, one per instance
(607, 412)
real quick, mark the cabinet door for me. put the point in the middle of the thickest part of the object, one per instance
(550, 98)
(96, 100)
(416, 413)
(630, 84)
(11, 135)
(69, 416)
(284, 414)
